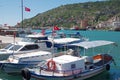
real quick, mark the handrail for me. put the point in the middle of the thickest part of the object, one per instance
(64, 72)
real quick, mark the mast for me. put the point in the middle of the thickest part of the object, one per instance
(22, 12)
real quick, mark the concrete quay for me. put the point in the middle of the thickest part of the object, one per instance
(5, 40)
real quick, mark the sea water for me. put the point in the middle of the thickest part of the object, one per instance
(113, 74)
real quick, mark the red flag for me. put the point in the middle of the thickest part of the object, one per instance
(27, 9)
(56, 28)
(43, 32)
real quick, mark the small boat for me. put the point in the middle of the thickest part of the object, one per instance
(38, 38)
(22, 47)
(15, 63)
(63, 39)
(69, 67)
(59, 41)
(28, 44)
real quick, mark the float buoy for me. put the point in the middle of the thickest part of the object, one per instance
(51, 65)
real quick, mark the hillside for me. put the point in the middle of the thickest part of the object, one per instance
(72, 14)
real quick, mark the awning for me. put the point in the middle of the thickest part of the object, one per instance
(92, 44)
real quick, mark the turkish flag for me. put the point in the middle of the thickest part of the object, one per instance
(27, 9)
(56, 28)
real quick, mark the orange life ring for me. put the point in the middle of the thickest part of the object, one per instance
(51, 65)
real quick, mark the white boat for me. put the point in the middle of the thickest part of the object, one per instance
(68, 67)
(38, 38)
(29, 44)
(59, 41)
(16, 62)
(23, 47)
(63, 39)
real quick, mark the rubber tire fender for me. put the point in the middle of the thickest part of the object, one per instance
(25, 74)
(107, 67)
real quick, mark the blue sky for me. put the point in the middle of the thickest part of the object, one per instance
(10, 10)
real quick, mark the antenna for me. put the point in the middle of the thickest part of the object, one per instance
(22, 12)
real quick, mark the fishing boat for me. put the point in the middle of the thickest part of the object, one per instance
(14, 63)
(62, 39)
(69, 67)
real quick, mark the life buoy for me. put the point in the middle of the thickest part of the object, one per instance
(25, 74)
(51, 65)
(107, 67)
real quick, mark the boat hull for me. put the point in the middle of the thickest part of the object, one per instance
(4, 56)
(12, 68)
(80, 76)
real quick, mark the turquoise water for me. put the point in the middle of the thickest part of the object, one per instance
(113, 74)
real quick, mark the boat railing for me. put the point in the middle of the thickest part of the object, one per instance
(61, 72)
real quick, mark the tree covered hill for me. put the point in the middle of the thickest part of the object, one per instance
(72, 14)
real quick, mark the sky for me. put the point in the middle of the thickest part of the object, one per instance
(11, 13)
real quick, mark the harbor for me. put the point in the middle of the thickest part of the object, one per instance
(112, 74)
(68, 40)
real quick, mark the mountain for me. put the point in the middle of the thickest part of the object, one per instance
(72, 14)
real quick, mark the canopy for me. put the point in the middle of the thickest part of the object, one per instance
(66, 40)
(92, 44)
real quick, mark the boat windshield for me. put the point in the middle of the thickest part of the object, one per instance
(9, 46)
(15, 47)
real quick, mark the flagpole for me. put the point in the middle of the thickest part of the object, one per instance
(22, 12)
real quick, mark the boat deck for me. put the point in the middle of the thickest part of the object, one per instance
(101, 62)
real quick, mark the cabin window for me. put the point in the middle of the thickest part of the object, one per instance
(73, 66)
(8, 46)
(15, 47)
(30, 47)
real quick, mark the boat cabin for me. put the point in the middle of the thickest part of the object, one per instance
(66, 64)
(20, 46)
(37, 38)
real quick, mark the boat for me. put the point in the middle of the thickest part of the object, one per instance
(30, 43)
(59, 41)
(62, 39)
(14, 63)
(23, 47)
(70, 67)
